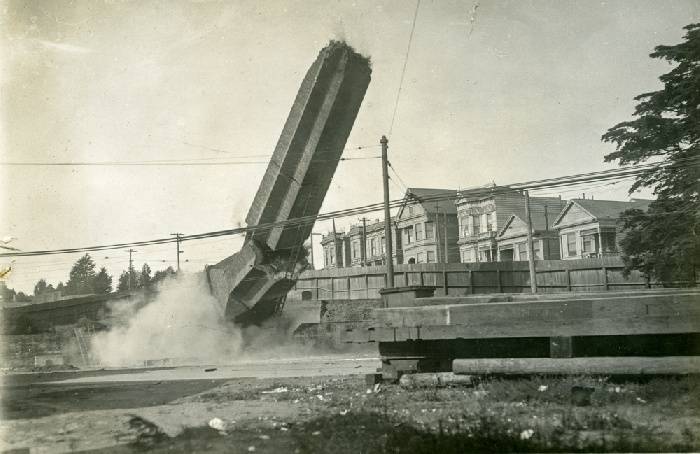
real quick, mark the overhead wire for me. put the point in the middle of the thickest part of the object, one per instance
(448, 195)
(403, 70)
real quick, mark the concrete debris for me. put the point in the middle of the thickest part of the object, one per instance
(280, 390)
(217, 424)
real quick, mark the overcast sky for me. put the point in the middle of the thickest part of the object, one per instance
(522, 92)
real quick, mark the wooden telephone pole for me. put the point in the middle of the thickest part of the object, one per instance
(178, 251)
(387, 215)
(131, 266)
(530, 248)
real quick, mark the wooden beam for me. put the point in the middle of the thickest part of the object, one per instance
(631, 365)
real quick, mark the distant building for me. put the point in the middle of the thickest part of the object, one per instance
(425, 218)
(590, 228)
(484, 218)
(368, 243)
(511, 241)
(336, 250)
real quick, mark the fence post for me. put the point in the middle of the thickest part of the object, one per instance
(605, 278)
(367, 285)
(568, 279)
(317, 296)
(444, 281)
(420, 278)
(498, 278)
(471, 282)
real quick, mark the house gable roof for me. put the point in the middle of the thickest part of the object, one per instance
(510, 220)
(444, 205)
(602, 209)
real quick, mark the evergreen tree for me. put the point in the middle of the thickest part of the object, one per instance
(82, 277)
(40, 287)
(103, 281)
(161, 275)
(663, 242)
(145, 276)
(123, 285)
(22, 298)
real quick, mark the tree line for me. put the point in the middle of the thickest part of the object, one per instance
(85, 278)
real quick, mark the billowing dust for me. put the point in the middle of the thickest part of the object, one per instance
(183, 325)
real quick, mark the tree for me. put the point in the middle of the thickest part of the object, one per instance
(124, 285)
(145, 276)
(102, 282)
(161, 275)
(81, 277)
(663, 242)
(40, 287)
(22, 297)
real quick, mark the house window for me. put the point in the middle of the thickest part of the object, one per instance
(485, 255)
(410, 210)
(429, 231)
(493, 221)
(490, 224)
(571, 244)
(355, 249)
(409, 235)
(332, 253)
(506, 255)
(589, 243)
(373, 247)
(475, 225)
(537, 249)
(608, 242)
(383, 244)
(484, 222)
(431, 256)
(522, 251)
(419, 232)
(420, 257)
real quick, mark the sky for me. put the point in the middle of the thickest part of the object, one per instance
(517, 91)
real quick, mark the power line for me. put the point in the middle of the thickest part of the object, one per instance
(403, 70)
(397, 176)
(159, 163)
(305, 220)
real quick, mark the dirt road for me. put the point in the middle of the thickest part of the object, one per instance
(323, 404)
(65, 411)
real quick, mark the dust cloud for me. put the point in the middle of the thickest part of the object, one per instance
(183, 325)
(183, 322)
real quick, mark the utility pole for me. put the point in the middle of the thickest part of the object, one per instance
(387, 215)
(336, 251)
(530, 247)
(131, 266)
(363, 245)
(447, 257)
(311, 243)
(437, 233)
(177, 243)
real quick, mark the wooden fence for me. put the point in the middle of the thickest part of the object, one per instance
(594, 274)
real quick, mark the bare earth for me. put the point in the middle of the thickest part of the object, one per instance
(322, 404)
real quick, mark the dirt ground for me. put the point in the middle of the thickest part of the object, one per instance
(339, 412)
